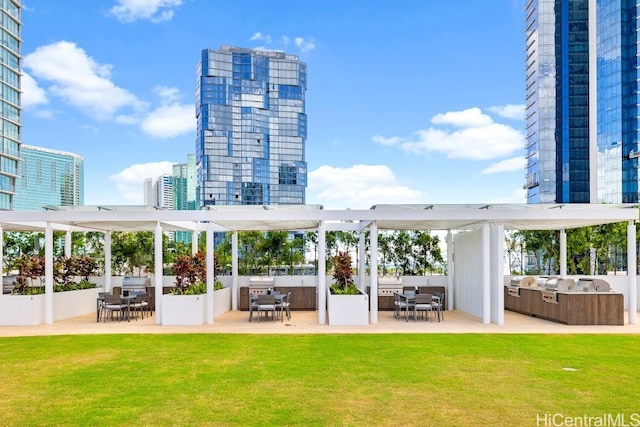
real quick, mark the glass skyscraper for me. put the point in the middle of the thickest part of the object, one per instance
(252, 128)
(49, 178)
(581, 101)
(10, 49)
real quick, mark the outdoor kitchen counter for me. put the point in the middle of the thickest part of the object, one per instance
(302, 297)
(572, 308)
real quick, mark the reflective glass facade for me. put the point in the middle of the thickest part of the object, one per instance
(582, 106)
(10, 52)
(252, 128)
(49, 178)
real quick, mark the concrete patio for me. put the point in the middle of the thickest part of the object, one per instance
(306, 322)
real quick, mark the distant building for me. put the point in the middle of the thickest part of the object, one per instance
(582, 98)
(184, 192)
(10, 106)
(158, 192)
(252, 128)
(48, 178)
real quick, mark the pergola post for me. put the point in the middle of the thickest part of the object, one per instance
(632, 269)
(322, 273)
(497, 274)
(234, 271)
(2, 259)
(67, 244)
(210, 274)
(107, 261)
(449, 293)
(157, 240)
(362, 260)
(563, 253)
(194, 242)
(48, 274)
(486, 274)
(373, 274)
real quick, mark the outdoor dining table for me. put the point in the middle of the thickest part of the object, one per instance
(253, 297)
(124, 298)
(410, 297)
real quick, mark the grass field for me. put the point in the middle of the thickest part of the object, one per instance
(315, 380)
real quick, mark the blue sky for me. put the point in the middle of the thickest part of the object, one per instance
(408, 101)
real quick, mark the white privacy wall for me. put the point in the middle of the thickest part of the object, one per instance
(468, 272)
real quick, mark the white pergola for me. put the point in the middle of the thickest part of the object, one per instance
(490, 221)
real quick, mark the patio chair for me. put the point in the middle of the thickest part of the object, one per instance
(101, 305)
(400, 303)
(266, 304)
(285, 306)
(253, 305)
(113, 303)
(423, 304)
(438, 305)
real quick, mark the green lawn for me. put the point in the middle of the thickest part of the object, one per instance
(315, 380)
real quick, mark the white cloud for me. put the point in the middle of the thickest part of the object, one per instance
(506, 165)
(168, 121)
(32, 94)
(76, 78)
(129, 182)
(171, 118)
(152, 10)
(510, 111)
(261, 37)
(357, 187)
(304, 45)
(467, 134)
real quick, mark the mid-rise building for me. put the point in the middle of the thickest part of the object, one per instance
(582, 101)
(252, 128)
(48, 178)
(184, 184)
(10, 49)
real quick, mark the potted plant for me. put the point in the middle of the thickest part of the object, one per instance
(346, 304)
(185, 305)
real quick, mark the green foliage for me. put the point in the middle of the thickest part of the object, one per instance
(65, 271)
(191, 274)
(343, 283)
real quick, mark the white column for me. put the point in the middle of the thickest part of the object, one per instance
(497, 274)
(48, 274)
(322, 273)
(194, 242)
(563, 253)
(1, 258)
(449, 293)
(362, 260)
(631, 271)
(107, 261)
(373, 274)
(67, 244)
(157, 239)
(210, 274)
(486, 275)
(234, 271)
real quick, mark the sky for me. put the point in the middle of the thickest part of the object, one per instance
(407, 101)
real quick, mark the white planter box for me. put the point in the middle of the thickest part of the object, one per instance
(21, 310)
(74, 303)
(181, 310)
(221, 301)
(348, 310)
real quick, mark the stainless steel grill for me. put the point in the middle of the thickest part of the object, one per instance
(260, 285)
(135, 283)
(387, 286)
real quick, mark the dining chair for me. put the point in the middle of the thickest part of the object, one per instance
(113, 303)
(438, 305)
(101, 305)
(266, 304)
(423, 304)
(253, 305)
(285, 306)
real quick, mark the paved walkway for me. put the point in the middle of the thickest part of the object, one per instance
(306, 322)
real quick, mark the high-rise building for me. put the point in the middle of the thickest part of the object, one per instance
(582, 101)
(252, 128)
(48, 178)
(158, 192)
(10, 49)
(184, 184)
